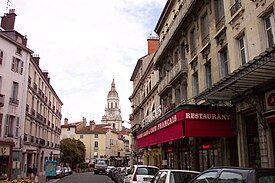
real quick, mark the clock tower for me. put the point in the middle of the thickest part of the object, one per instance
(112, 114)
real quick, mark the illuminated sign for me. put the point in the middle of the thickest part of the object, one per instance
(206, 146)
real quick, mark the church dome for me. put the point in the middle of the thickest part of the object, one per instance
(113, 92)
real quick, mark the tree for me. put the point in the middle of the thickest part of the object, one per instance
(73, 151)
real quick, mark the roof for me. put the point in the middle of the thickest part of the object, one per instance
(70, 125)
(89, 130)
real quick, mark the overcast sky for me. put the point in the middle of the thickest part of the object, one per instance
(84, 44)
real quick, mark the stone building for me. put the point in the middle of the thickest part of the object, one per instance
(216, 85)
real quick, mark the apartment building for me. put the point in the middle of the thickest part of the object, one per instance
(14, 61)
(145, 102)
(216, 85)
(42, 127)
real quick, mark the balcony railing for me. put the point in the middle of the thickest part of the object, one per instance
(37, 140)
(32, 139)
(14, 101)
(2, 100)
(25, 137)
(33, 113)
(180, 66)
(236, 7)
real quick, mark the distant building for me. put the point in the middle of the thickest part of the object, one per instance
(112, 114)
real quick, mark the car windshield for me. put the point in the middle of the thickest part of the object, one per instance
(101, 163)
(146, 171)
(179, 177)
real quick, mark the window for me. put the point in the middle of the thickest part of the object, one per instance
(68, 129)
(96, 144)
(224, 62)
(195, 80)
(162, 178)
(81, 136)
(204, 26)
(14, 94)
(208, 74)
(17, 127)
(1, 57)
(96, 135)
(10, 121)
(242, 49)
(192, 40)
(17, 65)
(219, 8)
(19, 51)
(229, 177)
(1, 122)
(270, 30)
(207, 177)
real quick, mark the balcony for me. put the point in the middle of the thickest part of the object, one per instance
(2, 100)
(180, 67)
(14, 101)
(37, 140)
(236, 7)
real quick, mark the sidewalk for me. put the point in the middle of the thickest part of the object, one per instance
(42, 179)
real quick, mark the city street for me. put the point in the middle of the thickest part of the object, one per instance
(88, 177)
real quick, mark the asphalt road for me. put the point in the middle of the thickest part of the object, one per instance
(87, 177)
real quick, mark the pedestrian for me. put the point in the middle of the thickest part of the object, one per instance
(34, 170)
(29, 171)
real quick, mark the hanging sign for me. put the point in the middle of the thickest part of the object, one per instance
(4, 150)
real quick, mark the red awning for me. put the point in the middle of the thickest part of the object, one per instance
(270, 119)
(167, 134)
(189, 123)
(208, 129)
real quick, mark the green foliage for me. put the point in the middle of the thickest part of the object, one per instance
(83, 165)
(73, 151)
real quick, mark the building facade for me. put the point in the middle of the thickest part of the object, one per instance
(216, 86)
(145, 103)
(14, 62)
(42, 128)
(30, 111)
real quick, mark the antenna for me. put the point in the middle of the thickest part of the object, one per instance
(8, 4)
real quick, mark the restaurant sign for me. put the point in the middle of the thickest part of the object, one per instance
(188, 115)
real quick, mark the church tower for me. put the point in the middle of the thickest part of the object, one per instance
(112, 114)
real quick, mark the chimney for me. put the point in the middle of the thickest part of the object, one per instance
(84, 121)
(36, 59)
(65, 121)
(92, 125)
(45, 74)
(153, 44)
(8, 20)
(25, 40)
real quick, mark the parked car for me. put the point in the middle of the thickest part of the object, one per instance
(142, 173)
(236, 174)
(100, 167)
(59, 171)
(108, 169)
(70, 170)
(66, 171)
(174, 176)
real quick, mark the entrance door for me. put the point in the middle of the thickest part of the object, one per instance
(208, 158)
(254, 157)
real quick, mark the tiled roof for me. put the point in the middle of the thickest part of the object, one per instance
(89, 130)
(71, 124)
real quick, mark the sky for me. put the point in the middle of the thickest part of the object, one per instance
(84, 44)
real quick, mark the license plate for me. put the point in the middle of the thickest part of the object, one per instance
(147, 179)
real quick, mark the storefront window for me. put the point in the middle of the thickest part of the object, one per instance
(4, 167)
(253, 142)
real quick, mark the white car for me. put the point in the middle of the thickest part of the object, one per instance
(174, 176)
(109, 168)
(141, 173)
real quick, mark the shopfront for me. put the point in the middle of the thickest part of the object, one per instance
(192, 137)
(6, 148)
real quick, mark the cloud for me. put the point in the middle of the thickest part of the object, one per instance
(84, 44)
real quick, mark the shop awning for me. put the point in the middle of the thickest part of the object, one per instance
(251, 75)
(188, 123)
(270, 119)
(164, 135)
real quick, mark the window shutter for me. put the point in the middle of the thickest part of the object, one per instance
(21, 68)
(13, 64)
(17, 127)
(6, 126)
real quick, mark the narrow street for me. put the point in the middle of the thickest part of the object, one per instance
(88, 177)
